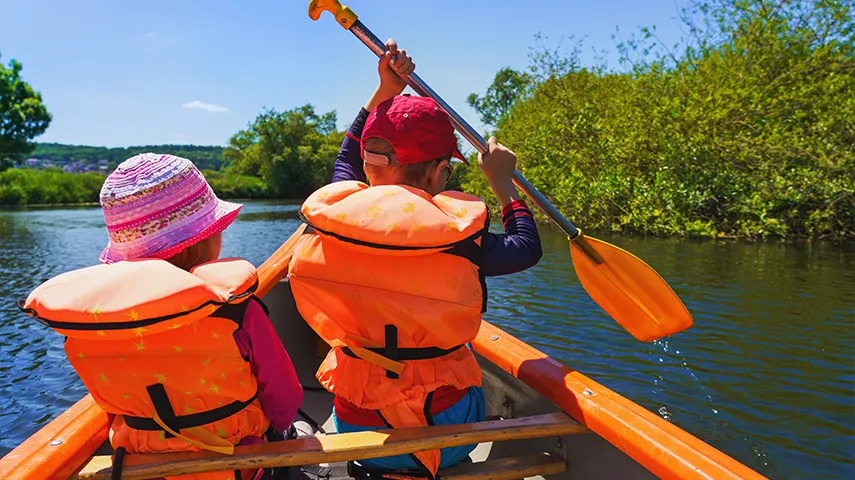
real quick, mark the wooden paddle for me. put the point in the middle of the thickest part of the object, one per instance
(628, 289)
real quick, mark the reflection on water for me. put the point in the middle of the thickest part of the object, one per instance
(765, 375)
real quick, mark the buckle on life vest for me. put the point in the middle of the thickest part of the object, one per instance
(390, 356)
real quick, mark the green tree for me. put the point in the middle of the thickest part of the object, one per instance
(292, 151)
(23, 116)
(744, 129)
(507, 88)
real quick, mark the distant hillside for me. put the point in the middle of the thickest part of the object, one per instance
(204, 157)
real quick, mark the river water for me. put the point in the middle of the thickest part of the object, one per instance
(767, 374)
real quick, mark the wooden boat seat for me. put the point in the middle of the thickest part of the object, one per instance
(360, 445)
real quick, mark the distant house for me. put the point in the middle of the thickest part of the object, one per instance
(32, 162)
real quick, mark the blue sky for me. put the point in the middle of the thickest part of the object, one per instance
(119, 73)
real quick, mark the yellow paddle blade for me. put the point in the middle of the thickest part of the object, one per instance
(629, 290)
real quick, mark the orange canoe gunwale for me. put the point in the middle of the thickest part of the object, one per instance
(665, 449)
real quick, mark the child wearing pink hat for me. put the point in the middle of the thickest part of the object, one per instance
(167, 337)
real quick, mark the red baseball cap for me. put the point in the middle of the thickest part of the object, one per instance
(416, 127)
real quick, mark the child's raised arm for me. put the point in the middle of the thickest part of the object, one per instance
(348, 162)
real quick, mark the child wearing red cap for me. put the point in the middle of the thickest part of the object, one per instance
(514, 251)
(404, 140)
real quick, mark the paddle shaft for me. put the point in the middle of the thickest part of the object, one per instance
(416, 83)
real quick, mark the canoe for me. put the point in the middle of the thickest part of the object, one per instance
(545, 420)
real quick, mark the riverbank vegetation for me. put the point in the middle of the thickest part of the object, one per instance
(745, 129)
(20, 187)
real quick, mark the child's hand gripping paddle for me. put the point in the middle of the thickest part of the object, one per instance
(622, 284)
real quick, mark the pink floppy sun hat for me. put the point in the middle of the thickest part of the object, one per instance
(157, 205)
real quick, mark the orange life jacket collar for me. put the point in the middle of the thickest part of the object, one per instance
(399, 219)
(87, 303)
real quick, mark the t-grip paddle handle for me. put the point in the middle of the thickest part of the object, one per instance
(343, 15)
(347, 19)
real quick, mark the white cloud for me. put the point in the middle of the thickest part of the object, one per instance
(208, 107)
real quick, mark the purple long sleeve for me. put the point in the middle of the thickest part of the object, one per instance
(518, 248)
(348, 162)
(279, 389)
(514, 251)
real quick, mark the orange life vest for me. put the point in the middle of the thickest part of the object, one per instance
(390, 278)
(154, 345)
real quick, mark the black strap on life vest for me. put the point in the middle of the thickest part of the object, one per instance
(118, 462)
(393, 352)
(157, 394)
(391, 349)
(406, 354)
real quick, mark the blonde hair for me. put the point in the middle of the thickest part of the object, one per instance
(204, 251)
(413, 174)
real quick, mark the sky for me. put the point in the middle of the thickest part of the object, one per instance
(122, 73)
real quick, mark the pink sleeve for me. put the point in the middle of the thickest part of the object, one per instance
(279, 389)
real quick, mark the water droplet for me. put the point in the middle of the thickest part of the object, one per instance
(664, 413)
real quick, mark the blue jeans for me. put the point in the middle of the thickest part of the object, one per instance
(471, 408)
